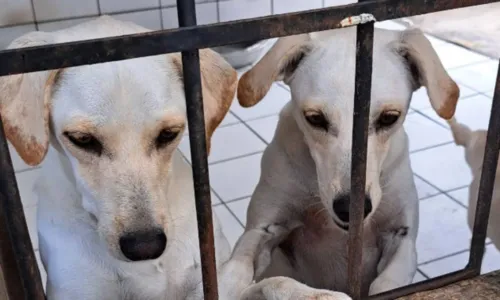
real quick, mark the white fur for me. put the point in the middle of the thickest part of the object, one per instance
(85, 201)
(305, 168)
(474, 142)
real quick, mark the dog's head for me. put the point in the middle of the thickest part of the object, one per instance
(119, 125)
(320, 68)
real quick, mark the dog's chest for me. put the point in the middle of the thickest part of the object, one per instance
(320, 258)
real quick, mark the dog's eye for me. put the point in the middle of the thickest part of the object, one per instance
(316, 119)
(165, 137)
(387, 119)
(85, 142)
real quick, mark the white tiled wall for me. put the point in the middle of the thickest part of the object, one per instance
(20, 16)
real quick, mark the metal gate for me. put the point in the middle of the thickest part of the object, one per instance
(17, 259)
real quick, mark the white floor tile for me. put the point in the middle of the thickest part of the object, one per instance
(25, 183)
(424, 189)
(214, 198)
(236, 178)
(270, 105)
(424, 133)
(391, 25)
(443, 166)
(480, 77)
(30, 216)
(443, 228)
(420, 100)
(491, 262)
(419, 277)
(453, 56)
(230, 226)
(461, 195)
(239, 209)
(265, 127)
(473, 112)
(228, 142)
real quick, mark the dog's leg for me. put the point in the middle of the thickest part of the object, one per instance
(400, 266)
(284, 288)
(239, 271)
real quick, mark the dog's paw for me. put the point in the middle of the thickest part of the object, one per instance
(284, 288)
(383, 284)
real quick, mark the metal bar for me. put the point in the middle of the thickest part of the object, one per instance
(362, 91)
(427, 285)
(17, 258)
(197, 138)
(487, 183)
(63, 55)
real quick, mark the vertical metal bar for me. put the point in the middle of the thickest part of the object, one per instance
(486, 184)
(192, 86)
(362, 91)
(17, 258)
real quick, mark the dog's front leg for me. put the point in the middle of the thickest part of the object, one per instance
(399, 266)
(239, 271)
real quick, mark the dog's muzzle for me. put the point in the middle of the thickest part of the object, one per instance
(341, 209)
(143, 245)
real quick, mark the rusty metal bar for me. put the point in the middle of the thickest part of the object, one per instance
(159, 42)
(186, 10)
(17, 258)
(487, 183)
(362, 91)
(427, 285)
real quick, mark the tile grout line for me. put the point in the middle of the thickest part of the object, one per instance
(33, 11)
(423, 274)
(440, 191)
(235, 158)
(161, 14)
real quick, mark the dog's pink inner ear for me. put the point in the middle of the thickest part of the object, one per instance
(427, 70)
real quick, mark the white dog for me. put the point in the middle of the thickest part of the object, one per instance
(116, 214)
(306, 167)
(474, 143)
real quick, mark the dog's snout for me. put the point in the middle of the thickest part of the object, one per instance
(143, 245)
(341, 207)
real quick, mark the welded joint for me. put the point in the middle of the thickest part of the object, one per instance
(357, 20)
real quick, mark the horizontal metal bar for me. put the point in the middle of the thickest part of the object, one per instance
(197, 139)
(487, 183)
(427, 285)
(64, 55)
(17, 258)
(362, 91)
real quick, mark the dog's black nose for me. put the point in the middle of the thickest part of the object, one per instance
(143, 245)
(341, 207)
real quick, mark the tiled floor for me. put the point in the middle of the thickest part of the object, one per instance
(441, 174)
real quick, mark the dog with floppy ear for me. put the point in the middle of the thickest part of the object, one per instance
(474, 142)
(307, 164)
(116, 216)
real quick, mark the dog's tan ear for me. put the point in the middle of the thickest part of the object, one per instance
(25, 104)
(427, 70)
(278, 64)
(219, 81)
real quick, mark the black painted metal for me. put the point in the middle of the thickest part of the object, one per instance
(487, 183)
(21, 270)
(197, 139)
(167, 41)
(362, 91)
(17, 258)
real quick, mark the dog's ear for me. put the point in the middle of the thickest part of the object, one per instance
(427, 70)
(279, 63)
(219, 81)
(25, 104)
